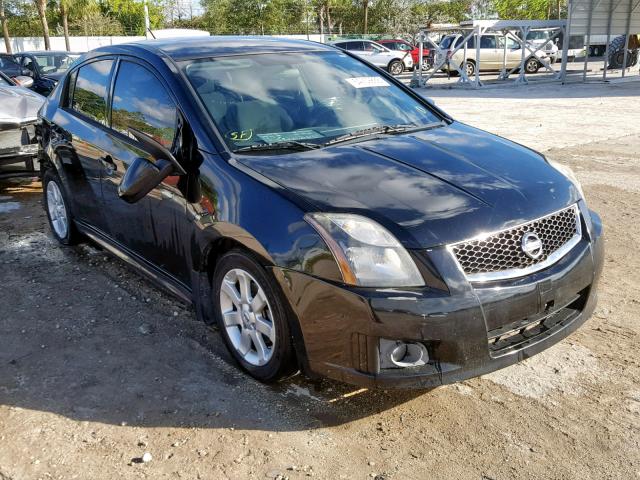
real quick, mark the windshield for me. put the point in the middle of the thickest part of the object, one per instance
(55, 63)
(300, 97)
(538, 35)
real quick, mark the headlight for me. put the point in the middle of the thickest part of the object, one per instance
(567, 172)
(367, 253)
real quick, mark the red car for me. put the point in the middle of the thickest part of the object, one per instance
(404, 46)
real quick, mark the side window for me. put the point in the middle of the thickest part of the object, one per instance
(141, 101)
(341, 45)
(511, 43)
(488, 41)
(90, 90)
(471, 43)
(357, 46)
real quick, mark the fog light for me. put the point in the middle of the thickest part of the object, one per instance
(399, 354)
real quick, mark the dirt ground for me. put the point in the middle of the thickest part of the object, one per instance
(98, 367)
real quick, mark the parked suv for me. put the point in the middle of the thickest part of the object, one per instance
(492, 52)
(403, 47)
(325, 218)
(394, 62)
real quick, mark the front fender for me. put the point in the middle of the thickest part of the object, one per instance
(239, 206)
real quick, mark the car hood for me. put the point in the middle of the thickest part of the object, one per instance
(18, 105)
(429, 188)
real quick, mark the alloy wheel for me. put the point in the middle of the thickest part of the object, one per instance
(57, 210)
(470, 69)
(532, 66)
(247, 317)
(397, 68)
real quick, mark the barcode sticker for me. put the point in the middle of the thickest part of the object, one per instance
(367, 82)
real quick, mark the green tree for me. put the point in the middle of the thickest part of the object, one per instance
(130, 14)
(41, 6)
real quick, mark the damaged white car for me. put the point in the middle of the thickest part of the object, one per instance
(18, 116)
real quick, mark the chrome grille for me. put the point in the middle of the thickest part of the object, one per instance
(500, 254)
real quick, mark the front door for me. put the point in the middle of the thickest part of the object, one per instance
(79, 134)
(155, 228)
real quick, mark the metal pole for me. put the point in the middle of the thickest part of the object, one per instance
(524, 31)
(147, 24)
(420, 53)
(464, 64)
(626, 40)
(503, 73)
(588, 46)
(565, 43)
(606, 49)
(478, 37)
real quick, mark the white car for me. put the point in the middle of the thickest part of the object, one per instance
(393, 62)
(18, 115)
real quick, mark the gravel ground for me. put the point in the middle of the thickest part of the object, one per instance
(98, 367)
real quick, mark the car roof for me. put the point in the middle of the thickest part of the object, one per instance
(201, 47)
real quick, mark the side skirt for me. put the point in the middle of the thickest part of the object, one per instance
(156, 275)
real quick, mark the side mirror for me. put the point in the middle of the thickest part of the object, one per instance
(143, 175)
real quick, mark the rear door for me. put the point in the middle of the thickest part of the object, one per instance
(490, 56)
(154, 228)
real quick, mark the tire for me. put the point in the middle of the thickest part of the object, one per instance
(532, 65)
(57, 207)
(616, 53)
(395, 67)
(250, 312)
(471, 68)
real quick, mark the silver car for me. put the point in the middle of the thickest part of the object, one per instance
(18, 115)
(393, 62)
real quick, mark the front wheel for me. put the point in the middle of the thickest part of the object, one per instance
(470, 69)
(532, 66)
(396, 67)
(252, 317)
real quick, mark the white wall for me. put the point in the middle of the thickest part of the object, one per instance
(84, 44)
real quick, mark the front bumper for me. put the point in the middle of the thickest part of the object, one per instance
(17, 143)
(468, 329)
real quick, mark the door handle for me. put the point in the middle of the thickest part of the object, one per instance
(108, 163)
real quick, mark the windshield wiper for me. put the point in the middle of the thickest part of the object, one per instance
(382, 129)
(288, 145)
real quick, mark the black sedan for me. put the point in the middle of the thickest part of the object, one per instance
(324, 216)
(46, 68)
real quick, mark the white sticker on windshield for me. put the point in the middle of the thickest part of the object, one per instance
(367, 82)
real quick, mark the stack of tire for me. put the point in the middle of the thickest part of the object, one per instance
(616, 51)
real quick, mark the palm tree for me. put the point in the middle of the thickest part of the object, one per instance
(70, 7)
(365, 5)
(41, 6)
(5, 29)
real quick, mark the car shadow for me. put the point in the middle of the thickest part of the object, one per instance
(85, 337)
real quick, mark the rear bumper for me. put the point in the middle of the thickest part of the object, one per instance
(468, 330)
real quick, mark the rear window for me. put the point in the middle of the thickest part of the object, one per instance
(90, 91)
